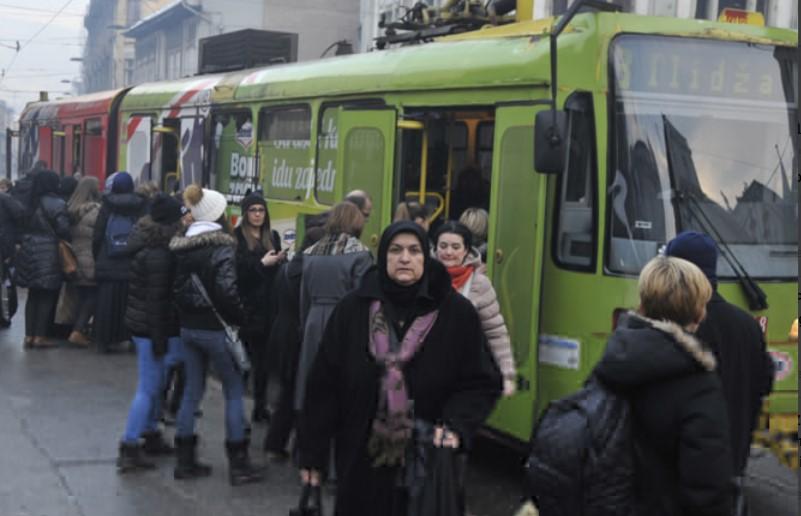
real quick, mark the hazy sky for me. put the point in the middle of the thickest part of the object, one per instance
(44, 62)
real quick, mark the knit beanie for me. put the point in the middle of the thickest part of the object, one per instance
(205, 205)
(164, 209)
(122, 183)
(252, 199)
(697, 248)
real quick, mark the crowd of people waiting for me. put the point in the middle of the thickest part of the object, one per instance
(373, 352)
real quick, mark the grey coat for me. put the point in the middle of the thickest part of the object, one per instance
(82, 229)
(325, 281)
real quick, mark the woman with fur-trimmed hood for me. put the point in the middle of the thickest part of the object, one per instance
(684, 461)
(207, 254)
(151, 318)
(331, 268)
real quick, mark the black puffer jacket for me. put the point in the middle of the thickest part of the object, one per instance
(255, 282)
(37, 262)
(212, 257)
(678, 415)
(114, 268)
(11, 217)
(150, 311)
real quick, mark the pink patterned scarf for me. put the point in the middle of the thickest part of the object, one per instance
(392, 426)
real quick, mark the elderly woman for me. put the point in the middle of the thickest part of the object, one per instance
(685, 462)
(401, 351)
(454, 249)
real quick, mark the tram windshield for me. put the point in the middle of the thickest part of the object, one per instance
(704, 140)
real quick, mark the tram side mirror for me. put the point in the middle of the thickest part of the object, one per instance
(550, 141)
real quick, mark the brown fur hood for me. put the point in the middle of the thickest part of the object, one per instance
(182, 243)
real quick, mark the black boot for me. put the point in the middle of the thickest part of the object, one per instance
(240, 469)
(187, 465)
(155, 445)
(130, 459)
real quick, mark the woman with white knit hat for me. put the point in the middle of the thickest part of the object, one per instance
(208, 253)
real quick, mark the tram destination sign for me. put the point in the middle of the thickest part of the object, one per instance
(706, 68)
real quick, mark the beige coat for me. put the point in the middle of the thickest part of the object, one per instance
(82, 230)
(480, 292)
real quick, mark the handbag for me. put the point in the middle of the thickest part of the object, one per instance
(66, 256)
(310, 503)
(232, 342)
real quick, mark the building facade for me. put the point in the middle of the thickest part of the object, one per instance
(166, 42)
(320, 24)
(108, 56)
(6, 121)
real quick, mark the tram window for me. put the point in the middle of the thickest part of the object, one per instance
(284, 147)
(76, 150)
(458, 134)
(575, 235)
(232, 163)
(485, 136)
(93, 152)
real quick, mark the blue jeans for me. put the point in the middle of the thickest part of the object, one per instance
(146, 406)
(200, 348)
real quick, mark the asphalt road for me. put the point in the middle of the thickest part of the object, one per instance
(62, 412)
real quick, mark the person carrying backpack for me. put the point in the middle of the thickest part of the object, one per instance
(647, 435)
(119, 213)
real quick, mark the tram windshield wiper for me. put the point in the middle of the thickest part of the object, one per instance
(679, 162)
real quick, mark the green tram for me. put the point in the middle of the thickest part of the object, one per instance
(666, 125)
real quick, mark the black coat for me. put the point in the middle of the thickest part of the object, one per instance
(212, 257)
(38, 264)
(150, 311)
(452, 379)
(744, 366)
(285, 335)
(678, 416)
(255, 283)
(12, 215)
(115, 268)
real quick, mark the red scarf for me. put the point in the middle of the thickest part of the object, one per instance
(459, 275)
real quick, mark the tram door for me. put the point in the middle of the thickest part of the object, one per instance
(515, 256)
(366, 138)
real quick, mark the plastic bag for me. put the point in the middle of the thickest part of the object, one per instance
(443, 492)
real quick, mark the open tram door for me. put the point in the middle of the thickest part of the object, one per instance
(515, 257)
(366, 162)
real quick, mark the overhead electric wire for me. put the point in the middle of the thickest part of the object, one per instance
(28, 41)
(34, 9)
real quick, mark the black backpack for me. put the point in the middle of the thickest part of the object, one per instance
(581, 461)
(118, 229)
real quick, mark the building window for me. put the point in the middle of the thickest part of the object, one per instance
(173, 46)
(145, 68)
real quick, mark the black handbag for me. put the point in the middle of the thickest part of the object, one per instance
(310, 503)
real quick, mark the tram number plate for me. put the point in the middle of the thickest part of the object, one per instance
(559, 352)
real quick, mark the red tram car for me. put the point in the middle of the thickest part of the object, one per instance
(76, 135)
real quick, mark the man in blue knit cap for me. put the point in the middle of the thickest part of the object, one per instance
(744, 365)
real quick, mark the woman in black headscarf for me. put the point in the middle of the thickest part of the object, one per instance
(402, 351)
(38, 265)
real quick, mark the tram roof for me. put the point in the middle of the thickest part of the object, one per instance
(507, 55)
(79, 106)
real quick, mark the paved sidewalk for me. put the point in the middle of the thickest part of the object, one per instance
(62, 412)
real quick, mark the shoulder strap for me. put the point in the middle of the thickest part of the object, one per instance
(205, 295)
